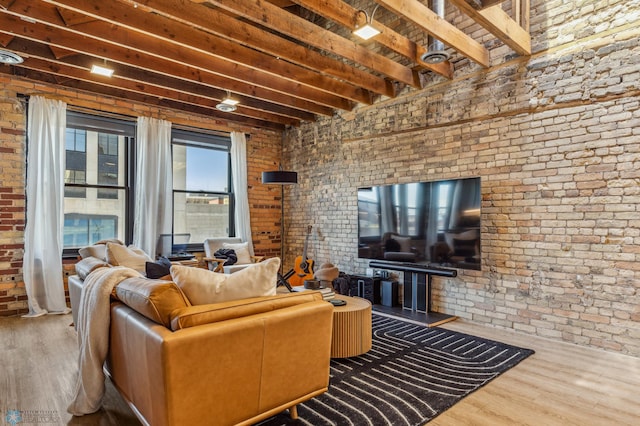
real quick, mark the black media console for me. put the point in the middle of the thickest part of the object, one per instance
(417, 282)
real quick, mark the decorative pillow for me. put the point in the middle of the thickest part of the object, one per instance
(242, 252)
(158, 269)
(154, 299)
(88, 265)
(98, 251)
(131, 257)
(202, 286)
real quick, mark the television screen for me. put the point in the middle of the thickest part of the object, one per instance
(430, 223)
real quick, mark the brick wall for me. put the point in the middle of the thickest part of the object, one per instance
(12, 214)
(263, 152)
(556, 141)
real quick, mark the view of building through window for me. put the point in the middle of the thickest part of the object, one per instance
(97, 184)
(92, 212)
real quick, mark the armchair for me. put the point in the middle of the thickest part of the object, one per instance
(242, 249)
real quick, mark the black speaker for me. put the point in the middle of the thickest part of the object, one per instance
(365, 287)
(389, 293)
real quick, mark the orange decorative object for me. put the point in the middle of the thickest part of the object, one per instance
(303, 266)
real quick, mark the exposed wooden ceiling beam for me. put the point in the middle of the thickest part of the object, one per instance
(136, 78)
(257, 38)
(117, 50)
(200, 45)
(204, 105)
(222, 120)
(7, 23)
(430, 22)
(348, 16)
(284, 22)
(499, 23)
(282, 59)
(483, 4)
(5, 39)
(120, 81)
(4, 4)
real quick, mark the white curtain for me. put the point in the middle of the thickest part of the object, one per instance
(42, 262)
(239, 176)
(152, 211)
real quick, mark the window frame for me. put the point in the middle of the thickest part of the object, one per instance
(121, 125)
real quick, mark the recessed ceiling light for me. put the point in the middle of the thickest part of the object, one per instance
(226, 107)
(100, 70)
(228, 104)
(366, 32)
(230, 101)
(7, 57)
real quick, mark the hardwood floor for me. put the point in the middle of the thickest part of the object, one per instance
(39, 366)
(561, 384)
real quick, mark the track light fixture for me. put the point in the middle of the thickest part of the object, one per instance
(367, 31)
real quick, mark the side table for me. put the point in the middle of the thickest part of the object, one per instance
(351, 327)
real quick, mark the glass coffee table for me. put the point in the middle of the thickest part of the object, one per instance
(351, 327)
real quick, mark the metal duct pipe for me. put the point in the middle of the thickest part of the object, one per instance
(435, 52)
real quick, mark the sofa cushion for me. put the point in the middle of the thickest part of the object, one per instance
(206, 314)
(98, 251)
(131, 257)
(87, 265)
(202, 286)
(154, 299)
(241, 250)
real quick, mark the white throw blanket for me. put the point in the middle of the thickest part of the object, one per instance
(94, 318)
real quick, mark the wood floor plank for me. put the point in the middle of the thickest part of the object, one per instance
(561, 384)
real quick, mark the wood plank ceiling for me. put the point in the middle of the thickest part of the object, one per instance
(285, 61)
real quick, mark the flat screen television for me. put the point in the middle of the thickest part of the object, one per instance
(434, 223)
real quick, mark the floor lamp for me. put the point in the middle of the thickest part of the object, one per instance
(282, 178)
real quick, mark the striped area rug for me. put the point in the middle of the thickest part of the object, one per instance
(412, 374)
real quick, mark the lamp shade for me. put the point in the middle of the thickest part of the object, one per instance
(280, 177)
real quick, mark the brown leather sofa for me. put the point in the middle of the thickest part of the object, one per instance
(231, 363)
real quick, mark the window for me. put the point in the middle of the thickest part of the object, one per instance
(202, 197)
(98, 184)
(97, 188)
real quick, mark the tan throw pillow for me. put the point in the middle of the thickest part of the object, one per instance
(131, 257)
(242, 252)
(98, 251)
(202, 286)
